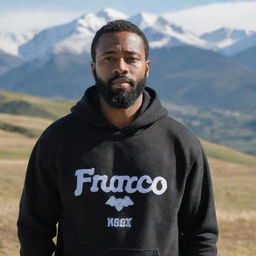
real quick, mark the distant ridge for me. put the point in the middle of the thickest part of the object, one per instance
(28, 128)
(21, 104)
(227, 154)
(224, 128)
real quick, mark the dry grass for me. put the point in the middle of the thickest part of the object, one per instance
(234, 185)
(227, 154)
(11, 180)
(15, 145)
(25, 121)
(235, 192)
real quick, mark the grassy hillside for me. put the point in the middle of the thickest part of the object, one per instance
(228, 154)
(234, 187)
(232, 131)
(235, 190)
(21, 104)
(25, 130)
(233, 173)
(18, 135)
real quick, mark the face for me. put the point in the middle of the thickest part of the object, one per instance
(120, 68)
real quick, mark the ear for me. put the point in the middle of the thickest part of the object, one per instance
(147, 67)
(93, 68)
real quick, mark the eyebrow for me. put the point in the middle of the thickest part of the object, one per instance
(115, 52)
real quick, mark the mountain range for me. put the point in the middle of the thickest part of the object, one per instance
(186, 68)
(161, 31)
(214, 71)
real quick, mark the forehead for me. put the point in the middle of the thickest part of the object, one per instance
(120, 42)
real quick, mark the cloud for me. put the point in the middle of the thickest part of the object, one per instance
(239, 15)
(23, 20)
(201, 19)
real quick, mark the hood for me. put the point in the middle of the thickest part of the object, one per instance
(151, 111)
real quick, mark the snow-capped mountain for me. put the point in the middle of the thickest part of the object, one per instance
(111, 14)
(144, 20)
(75, 37)
(240, 45)
(162, 33)
(184, 73)
(223, 34)
(225, 37)
(10, 42)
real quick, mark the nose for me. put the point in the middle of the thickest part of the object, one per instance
(121, 67)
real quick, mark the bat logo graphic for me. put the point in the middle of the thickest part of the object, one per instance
(119, 203)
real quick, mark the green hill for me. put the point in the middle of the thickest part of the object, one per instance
(25, 117)
(227, 154)
(233, 176)
(18, 134)
(21, 104)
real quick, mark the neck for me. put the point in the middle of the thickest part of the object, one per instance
(120, 117)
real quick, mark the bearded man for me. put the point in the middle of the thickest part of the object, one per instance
(117, 175)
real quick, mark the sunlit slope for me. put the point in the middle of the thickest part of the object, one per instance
(29, 116)
(227, 154)
(21, 104)
(18, 133)
(233, 176)
(22, 120)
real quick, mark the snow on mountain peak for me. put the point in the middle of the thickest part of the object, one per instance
(43, 42)
(74, 37)
(224, 37)
(110, 14)
(163, 24)
(144, 19)
(240, 45)
(10, 42)
(89, 22)
(86, 27)
(161, 31)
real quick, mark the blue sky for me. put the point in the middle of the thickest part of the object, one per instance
(22, 15)
(129, 7)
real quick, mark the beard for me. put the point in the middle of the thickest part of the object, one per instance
(120, 98)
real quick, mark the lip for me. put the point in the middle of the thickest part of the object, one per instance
(121, 83)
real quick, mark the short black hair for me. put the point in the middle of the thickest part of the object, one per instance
(118, 26)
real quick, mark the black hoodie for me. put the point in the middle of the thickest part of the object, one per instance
(143, 190)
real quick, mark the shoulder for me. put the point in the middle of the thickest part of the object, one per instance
(62, 123)
(183, 138)
(59, 130)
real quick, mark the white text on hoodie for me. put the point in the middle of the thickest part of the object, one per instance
(143, 184)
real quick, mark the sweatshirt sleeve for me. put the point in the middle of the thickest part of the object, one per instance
(197, 217)
(39, 206)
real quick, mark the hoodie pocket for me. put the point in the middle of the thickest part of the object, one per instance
(122, 252)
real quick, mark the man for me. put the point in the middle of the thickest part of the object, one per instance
(118, 175)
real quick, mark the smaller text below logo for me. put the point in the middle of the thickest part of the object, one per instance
(119, 222)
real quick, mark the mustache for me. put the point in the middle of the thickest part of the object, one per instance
(130, 81)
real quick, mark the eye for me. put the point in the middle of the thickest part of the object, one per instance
(109, 58)
(131, 59)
